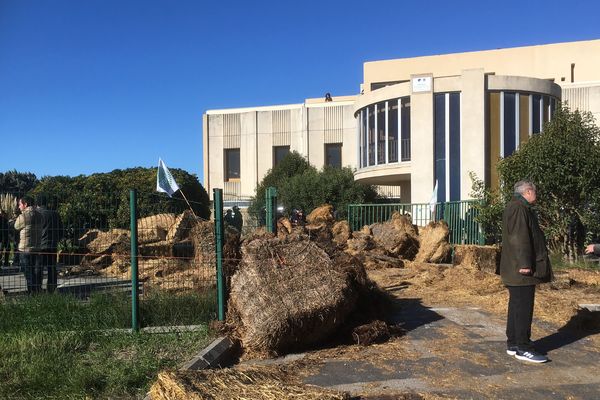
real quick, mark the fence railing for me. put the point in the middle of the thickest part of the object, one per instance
(92, 255)
(460, 216)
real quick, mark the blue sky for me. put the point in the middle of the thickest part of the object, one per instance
(93, 85)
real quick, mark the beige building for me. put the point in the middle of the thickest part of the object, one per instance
(417, 121)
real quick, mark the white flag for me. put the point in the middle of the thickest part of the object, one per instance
(164, 180)
(434, 196)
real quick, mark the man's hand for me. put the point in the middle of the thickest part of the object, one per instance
(525, 271)
(589, 249)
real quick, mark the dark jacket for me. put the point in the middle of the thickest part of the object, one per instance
(523, 245)
(52, 228)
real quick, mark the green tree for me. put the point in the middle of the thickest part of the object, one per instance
(17, 182)
(563, 162)
(300, 185)
(102, 200)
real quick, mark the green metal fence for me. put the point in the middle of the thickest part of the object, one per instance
(101, 241)
(460, 216)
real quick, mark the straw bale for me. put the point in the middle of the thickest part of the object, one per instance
(321, 214)
(265, 382)
(181, 226)
(341, 232)
(156, 249)
(284, 226)
(95, 261)
(290, 294)
(434, 247)
(111, 241)
(322, 231)
(481, 258)
(397, 236)
(162, 221)
(203, 240)
(88, 237)
(359, 245)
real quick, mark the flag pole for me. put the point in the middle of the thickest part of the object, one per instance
(188, 203)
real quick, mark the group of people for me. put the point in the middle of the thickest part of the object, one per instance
(234, 218)
(38, 230)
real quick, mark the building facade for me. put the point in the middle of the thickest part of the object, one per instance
(417, 121)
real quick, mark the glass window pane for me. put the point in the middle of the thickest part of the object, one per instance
(405, 129)
(232, 164)
(279, 152)
(371, 129)
(381, 133)
(333, 155)
(393, 130)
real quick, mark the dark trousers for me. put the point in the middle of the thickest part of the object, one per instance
(48, 261)
(520, 315)
(30, 266)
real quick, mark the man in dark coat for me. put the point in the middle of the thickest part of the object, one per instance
(524, 263)
(52, 233)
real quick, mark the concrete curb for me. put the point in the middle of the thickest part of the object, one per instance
(220, 353)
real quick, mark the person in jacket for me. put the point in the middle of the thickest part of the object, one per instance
(4, 239)
(52, 233)
(29, 226)
(524, 263)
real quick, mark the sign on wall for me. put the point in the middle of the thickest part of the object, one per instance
(421, 84)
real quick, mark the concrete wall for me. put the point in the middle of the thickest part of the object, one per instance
(552, 61)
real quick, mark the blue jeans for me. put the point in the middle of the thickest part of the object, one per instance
(32, 269)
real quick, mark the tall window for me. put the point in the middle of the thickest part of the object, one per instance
(333, 155)
(279, 152)
(232, 164)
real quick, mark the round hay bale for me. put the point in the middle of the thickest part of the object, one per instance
(290, 294)
(481, 258)
(180, 229)
(321, 214)
(397, 236)
(341, 232)
(161, 221)
(434, 247)
(112, 241)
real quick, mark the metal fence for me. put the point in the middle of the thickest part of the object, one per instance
(460, 216)
(93, 248)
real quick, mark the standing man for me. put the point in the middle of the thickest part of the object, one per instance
(52, 233)
(523, 264)
(29, 226)
(4, 239)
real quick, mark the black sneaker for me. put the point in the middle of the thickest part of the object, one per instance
(511, 350)
(530, 356)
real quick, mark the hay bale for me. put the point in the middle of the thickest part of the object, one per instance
(397, 236)
(290, 294)
(321, 214)
(154, 228)
(433, 246)
(359, 244)
(284, 226)
(203, 240)
(264, 382)
(108, 242)
(156, 249)
(88, 237)
(480, 258)
(341, 232)
(181, 227)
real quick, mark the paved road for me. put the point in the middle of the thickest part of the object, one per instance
(459, 353)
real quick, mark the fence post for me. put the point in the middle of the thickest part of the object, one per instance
(219, 228)
(271, 208)
(135, 310)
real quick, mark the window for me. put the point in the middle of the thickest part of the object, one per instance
(232, 164)
(279, 152)
(333, 155)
